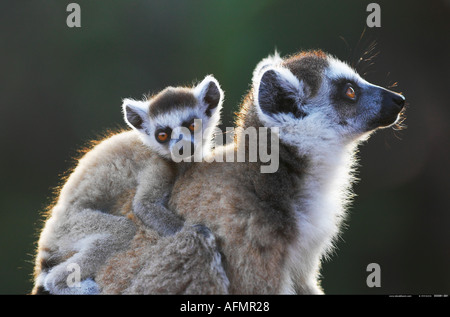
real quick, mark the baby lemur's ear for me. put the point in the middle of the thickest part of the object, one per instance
(136, 114)
(278, 91)
(209, 93)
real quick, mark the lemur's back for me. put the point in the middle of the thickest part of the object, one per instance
(109, 171)
(250, 230)
(104, 175)
(91, 219)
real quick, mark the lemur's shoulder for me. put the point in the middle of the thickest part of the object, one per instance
(123, 145)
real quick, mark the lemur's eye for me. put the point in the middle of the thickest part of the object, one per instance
(162, 136)
(350, 92)
(192, 127)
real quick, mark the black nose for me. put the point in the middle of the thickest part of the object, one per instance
(394, 100)
(399, 100)
(392, 104)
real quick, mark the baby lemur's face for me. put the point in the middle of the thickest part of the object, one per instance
(314, 96)
(177, 121)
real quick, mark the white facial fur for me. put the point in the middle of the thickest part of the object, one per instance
(325, 131)
(322, 119)
(175, 118)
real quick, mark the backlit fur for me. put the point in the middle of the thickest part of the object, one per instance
(274, 229)
(125, 175)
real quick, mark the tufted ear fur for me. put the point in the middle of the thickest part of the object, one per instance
(136, 114)
(209, 93)
(279, 91)
(210, 96)
(269, 61)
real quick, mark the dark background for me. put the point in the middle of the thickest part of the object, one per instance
(60, 87)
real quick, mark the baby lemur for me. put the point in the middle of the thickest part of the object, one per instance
(273, 229)
(85, 226)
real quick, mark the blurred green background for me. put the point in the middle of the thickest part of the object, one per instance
(61, 87)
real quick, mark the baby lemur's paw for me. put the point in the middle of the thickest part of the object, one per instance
(206, 235)
(201, 229)
(89, 287)
(62, 287)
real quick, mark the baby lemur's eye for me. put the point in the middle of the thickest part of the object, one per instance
(350, 92)
(162, 135)
(192, 127)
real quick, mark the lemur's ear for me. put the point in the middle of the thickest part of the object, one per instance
(210, 94)
(135, 113)
(279, 91)
(271, 60)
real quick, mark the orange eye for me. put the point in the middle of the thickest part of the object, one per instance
(162, 135)
(350, 93)
(192, 127)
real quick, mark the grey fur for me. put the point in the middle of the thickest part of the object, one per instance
(92, 218)
(274, 229)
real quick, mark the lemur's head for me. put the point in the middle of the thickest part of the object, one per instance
(168, 122)
(312, 96)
